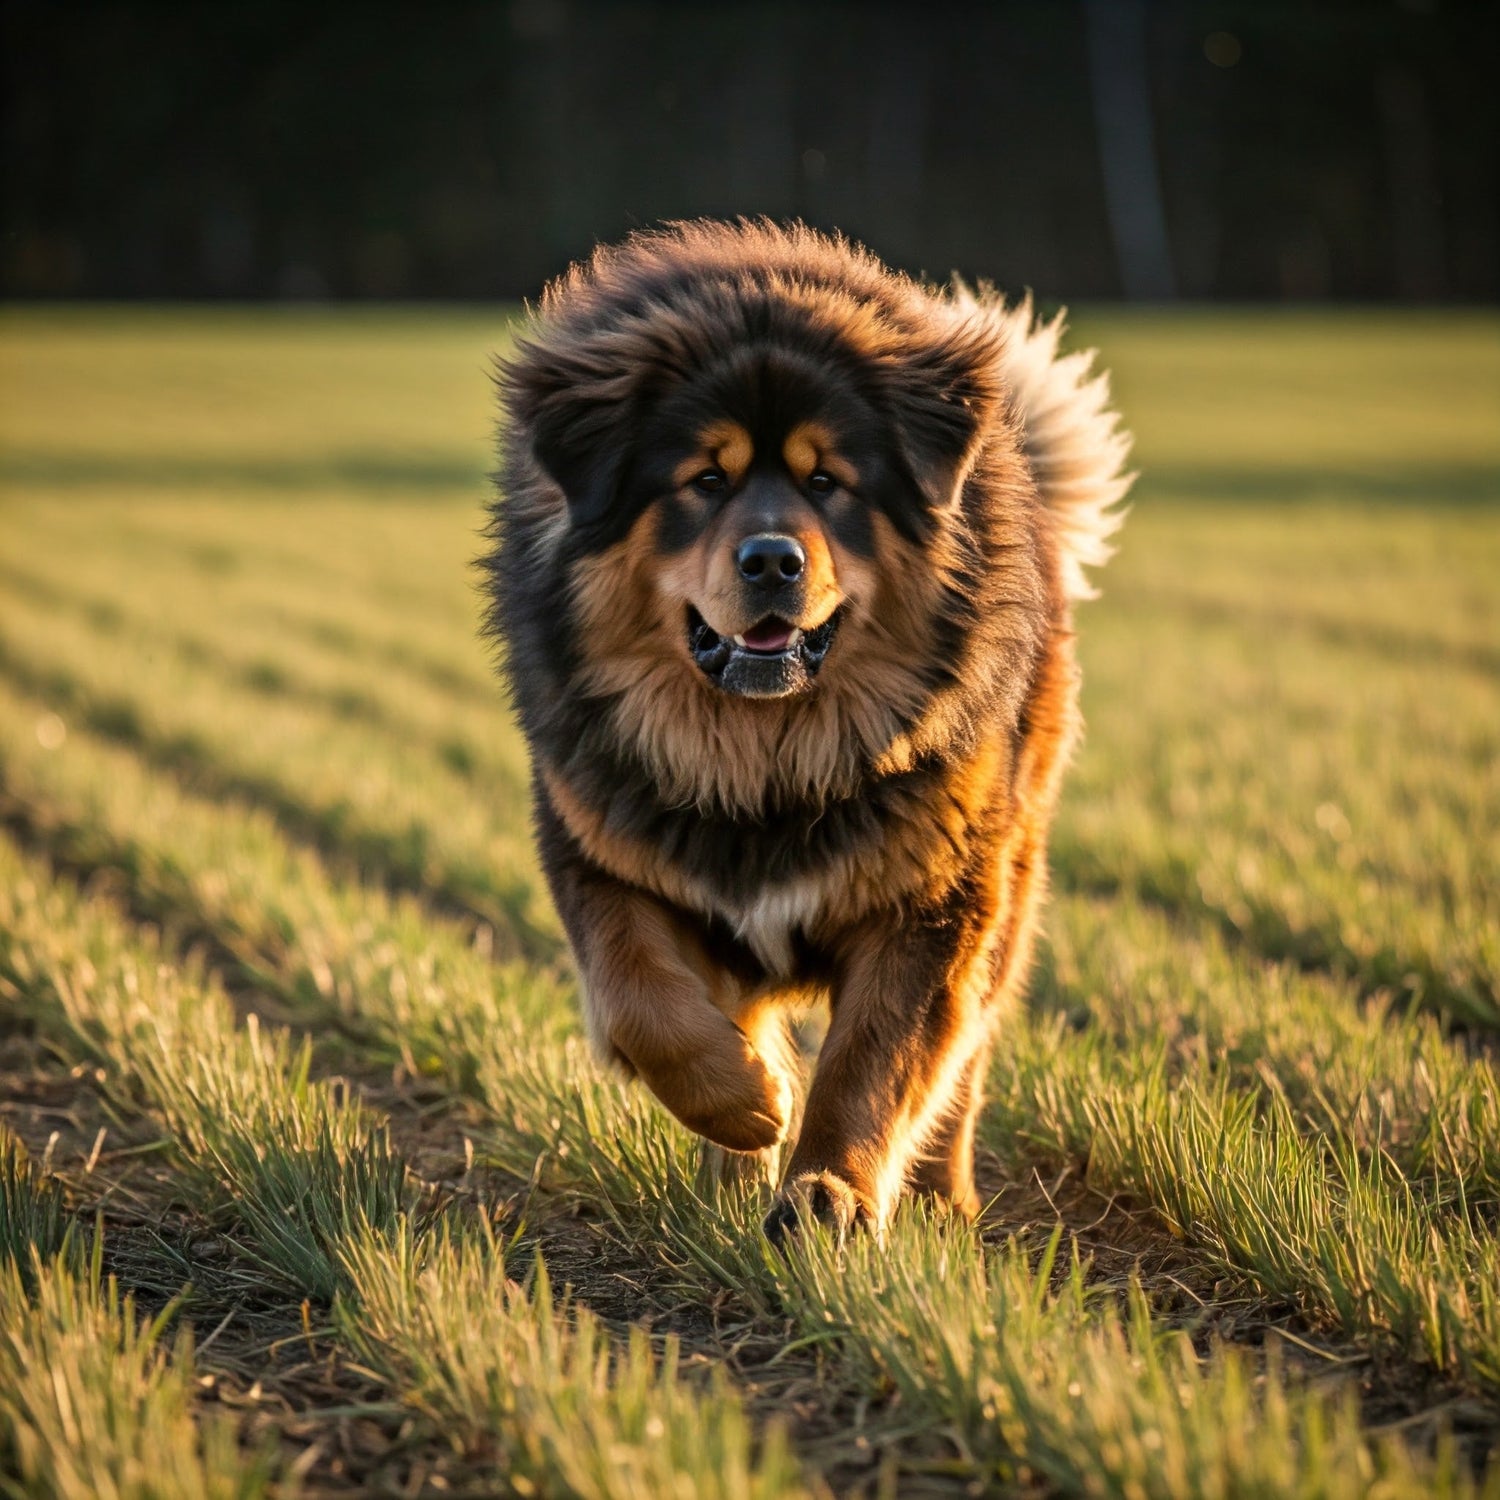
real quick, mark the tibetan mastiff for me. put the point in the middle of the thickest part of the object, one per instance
(785, 552)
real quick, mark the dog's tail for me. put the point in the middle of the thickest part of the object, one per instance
(1071, 435)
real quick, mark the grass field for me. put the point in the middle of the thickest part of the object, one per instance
(307, 1184)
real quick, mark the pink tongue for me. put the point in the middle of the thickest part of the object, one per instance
(769, 635)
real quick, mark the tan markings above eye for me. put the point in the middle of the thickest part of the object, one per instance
(801, 450)
(734, 451)
(810, 450)
(723, 446)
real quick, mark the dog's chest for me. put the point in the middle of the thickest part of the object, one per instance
(770, 922)
(893, 860)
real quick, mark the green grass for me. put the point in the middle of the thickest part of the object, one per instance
(93, 1400)
(286, 1025)
(541, 1386)
(34, 1223)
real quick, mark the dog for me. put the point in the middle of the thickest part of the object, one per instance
(785, 547)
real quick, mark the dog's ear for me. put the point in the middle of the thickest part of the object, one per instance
(577, 413)
(941, 394)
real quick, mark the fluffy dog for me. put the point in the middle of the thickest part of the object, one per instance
(786, 547)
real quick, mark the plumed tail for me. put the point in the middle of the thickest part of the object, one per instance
(1071, 436)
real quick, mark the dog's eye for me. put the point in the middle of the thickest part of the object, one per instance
(821, 484)
(710, 481)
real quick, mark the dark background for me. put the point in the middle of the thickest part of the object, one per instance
(1094, 148)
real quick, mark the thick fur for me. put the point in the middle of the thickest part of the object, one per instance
(872, 828)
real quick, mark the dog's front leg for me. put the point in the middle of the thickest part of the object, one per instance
(912, 1011)
(657, 1004)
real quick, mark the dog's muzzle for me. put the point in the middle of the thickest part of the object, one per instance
(773, 659)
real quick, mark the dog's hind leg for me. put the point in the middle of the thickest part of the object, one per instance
(943, 1170)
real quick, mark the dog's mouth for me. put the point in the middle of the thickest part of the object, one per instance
(773, 659)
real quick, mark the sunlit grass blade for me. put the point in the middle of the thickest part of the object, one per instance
(35, 1226)
(293, 1160)
(1028, 1372)
(536, 1386)
(97, 1404)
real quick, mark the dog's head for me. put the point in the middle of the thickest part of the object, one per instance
(742, 428)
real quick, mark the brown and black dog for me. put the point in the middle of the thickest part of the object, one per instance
(785, 552)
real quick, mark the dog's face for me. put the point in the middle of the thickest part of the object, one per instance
(758, 525)
(762, 485)
(761, 480)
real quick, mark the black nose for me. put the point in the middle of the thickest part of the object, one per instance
(769, 559)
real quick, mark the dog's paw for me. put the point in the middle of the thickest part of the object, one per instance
(815, 1198)
(709, 1074)
(735, 1101)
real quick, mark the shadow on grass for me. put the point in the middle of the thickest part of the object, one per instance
(380, 473)
(265, 677)
(1366, 635)
(1265, 933)
(105, 614)
(398, 859)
